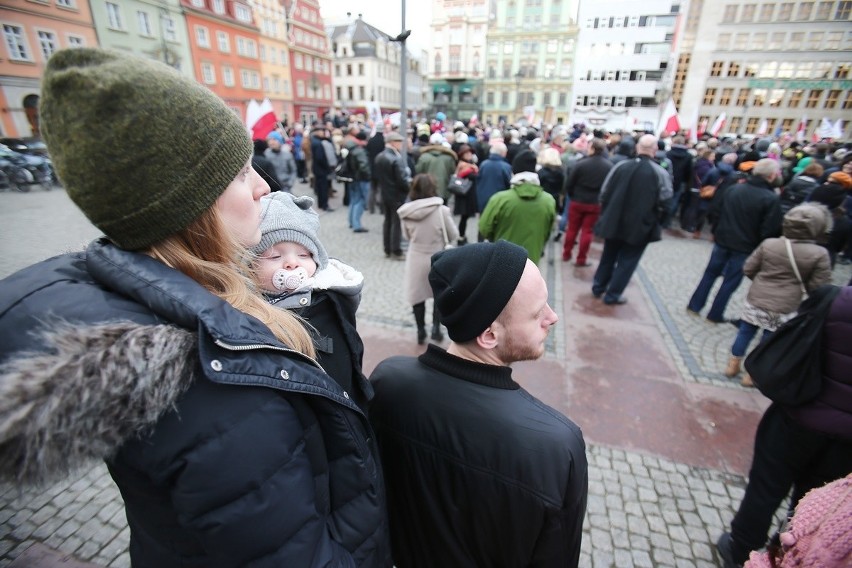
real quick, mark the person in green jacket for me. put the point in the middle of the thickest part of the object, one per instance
(522, 214)
(438, 160)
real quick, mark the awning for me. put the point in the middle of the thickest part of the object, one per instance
(442, 88)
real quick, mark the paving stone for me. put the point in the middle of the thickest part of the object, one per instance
(623, 558)
(642, 559)
(701, 550)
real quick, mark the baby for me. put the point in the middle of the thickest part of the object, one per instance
(295, 273)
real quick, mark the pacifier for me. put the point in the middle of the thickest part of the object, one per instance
(289, 280)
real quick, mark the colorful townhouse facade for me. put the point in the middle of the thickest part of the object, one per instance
(310, 60)
(271, 17)
(32, 31)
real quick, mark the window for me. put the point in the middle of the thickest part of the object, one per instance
(351, 92)
(804, 70)
(833, 39)
(796, 40)
(716, 69)
(66, 3)
(735, 124)
(114, 16)
(795, 98)
(766, 12)
(751, 70)
(208, 74)
(360, 69)
(489, 98)
(805, 9)
(709, 96)
(768, 70)
(168, 25)
(725, 98)
(776, 40)
(219, 6)
(223, 41)
(48, 44)
(842, 71)
(243, 13)
(824, 10)
(742, 97)
(508, 47)
(847, 104)
(228, 76)
(437, 63)
(785, 70)
(785, 12)
(815, 40)
(552, 46)
(733, 69)
(730, 15)
(75, 41)
(201, 37)
(843, 11)
(740, 42)
(813, 98)
(563, 100)
(751, 126)
(748, 13)
(348, 69)
(724, 42)
(144, 23)
(504, 98)
(758, 41)
(759, 97)
(246, 47)
(362, 93)
(250, 79)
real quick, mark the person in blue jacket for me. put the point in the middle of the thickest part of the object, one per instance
(153, 350)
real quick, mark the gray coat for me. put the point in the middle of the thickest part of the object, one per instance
(285, 167)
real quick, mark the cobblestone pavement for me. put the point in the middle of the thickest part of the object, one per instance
(643, 510)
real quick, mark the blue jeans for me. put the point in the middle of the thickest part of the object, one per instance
(745, 334)
(563, 220)
(618, 262)
(728, 264)
(358, 191)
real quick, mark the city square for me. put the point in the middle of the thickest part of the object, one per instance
(669, 438)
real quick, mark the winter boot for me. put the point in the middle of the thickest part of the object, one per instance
(437, 334)
(420, 319)
(733, 368)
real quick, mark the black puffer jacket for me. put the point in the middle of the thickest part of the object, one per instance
(748, 213)
(797, 191)
(392, 175)
(229, 449)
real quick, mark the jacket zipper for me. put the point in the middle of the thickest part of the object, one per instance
(230, 347)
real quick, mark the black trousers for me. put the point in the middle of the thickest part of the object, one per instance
(786, 455)
(391, 229)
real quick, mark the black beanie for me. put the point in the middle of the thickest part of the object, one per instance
(524, 162)
(472, 284)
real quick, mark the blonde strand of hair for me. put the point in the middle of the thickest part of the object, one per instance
(207, 253)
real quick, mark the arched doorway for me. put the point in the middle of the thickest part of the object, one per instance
(31, 110)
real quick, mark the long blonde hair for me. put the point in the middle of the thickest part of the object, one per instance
(208, 253)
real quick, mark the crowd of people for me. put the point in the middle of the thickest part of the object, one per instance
(206, 346)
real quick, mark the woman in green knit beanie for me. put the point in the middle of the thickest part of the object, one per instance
(153, 351)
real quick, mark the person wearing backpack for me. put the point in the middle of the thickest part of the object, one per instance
(800, 446)
(777, 283)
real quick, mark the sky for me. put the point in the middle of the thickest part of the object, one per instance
(385, 15)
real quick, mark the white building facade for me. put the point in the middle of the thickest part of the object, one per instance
(624, 62)
(366, 69)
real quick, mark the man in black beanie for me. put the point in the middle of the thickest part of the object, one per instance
(478, 471)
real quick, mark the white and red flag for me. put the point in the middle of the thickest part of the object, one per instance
(260, 119)
(800, 130)
(719, 124)
(669, 121)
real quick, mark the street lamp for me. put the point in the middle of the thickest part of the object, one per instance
(518, 76)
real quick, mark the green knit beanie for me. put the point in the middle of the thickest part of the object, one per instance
(141, 150)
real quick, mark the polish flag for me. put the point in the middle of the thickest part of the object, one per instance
(837, 131)
(764, 127)
(800, 131)
(669, 122)
(826, 129)
(719, 124)
(702, 128)
(260, 119)
(473, 120)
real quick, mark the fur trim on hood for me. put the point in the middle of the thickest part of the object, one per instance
(336, 277)
(525, 177)
(441, 149)
(92, 389)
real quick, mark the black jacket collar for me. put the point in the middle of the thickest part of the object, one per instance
(494, 376)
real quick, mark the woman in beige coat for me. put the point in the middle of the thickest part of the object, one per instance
(428, 225)
(777, 289)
